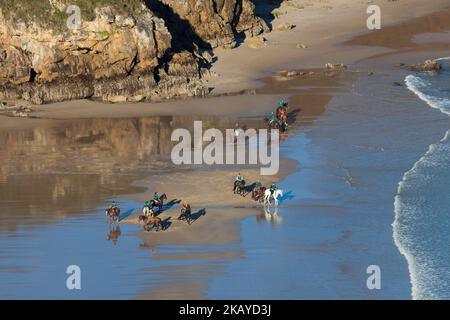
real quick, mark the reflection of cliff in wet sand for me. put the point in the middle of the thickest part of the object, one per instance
(52, 170)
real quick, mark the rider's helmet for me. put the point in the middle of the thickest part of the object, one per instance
(281, 103)
(147, 203)
(113, 203)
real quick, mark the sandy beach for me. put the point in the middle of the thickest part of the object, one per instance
(326, 162)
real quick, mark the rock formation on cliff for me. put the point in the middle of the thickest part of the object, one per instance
(122, 50)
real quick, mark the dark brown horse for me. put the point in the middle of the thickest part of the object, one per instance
(239, 186)
(258, 194)
(276, 124)
(159, 204)
(113, 214)
(186, 213)
(151, 222)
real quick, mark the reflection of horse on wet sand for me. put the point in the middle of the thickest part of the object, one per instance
(269, 216)
(114, 233)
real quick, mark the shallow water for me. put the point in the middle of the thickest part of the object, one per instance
(334, 222)
(338, 221)
(56, 181)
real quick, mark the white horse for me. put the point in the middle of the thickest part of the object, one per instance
(147, 211)
(276, 194)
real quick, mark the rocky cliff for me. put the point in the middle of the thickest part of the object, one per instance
(119, 50)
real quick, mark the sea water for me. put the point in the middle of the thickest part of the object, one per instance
(422, 204)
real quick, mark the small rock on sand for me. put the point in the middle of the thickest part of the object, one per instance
(289, 73)
(256, 42)
(301, 46)
(117, 99)
(283, 26)
(293, 4)
(337, 66)
(278, 12)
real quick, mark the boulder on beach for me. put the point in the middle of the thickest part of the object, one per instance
(301, 46)
(428, 65)
(336, 66)
(283, 26)
(256, 42)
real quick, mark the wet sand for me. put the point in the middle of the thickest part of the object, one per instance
(224, 211)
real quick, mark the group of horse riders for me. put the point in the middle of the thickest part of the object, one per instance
(148, 203)
(155, 202)
(240, 181)
(280, 114)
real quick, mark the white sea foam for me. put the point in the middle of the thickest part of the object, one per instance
(419, 213)
(418, 86)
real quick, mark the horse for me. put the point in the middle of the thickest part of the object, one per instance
(158, 203)
(146, 210)
(151, 222)
(239, 186)
(276, 124)
(271, 124)
(276, 194)
(258, 193)
(186, 214)
(113, 214)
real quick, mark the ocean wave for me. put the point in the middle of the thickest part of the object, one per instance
(422, 222)
(421, 228)
(419, 86)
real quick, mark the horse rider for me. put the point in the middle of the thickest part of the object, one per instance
(273, 187)
(186, 208)
(147, 204)
(156, 198)
(282, 104)
(237, 130)
(239, 179)
(113, 206)
(272, 118)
